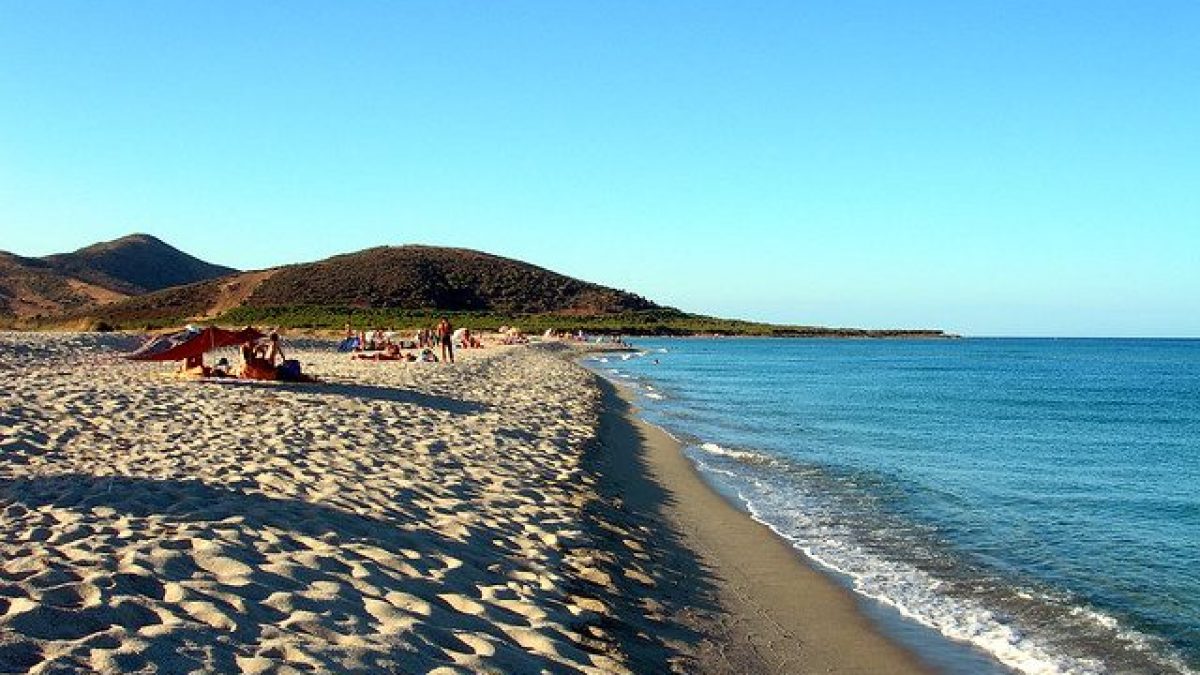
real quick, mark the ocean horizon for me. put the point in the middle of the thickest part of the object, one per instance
(1030, 504)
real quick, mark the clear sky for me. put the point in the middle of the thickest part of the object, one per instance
(1004, 167)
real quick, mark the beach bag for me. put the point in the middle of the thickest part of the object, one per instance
(289, 370)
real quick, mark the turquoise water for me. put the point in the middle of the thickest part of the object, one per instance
(1037, 500)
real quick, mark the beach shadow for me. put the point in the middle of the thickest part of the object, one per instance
(657, 623)
(311, 546)
(365, 392)
(395, 395)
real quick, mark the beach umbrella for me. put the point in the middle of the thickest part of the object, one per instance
(191, 343)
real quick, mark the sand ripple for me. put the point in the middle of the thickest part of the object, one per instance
(401, 518)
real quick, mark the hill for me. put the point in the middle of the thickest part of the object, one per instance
(139, 282)
(136, 264)
(428, 277)
(409, 286)
(95, 275)
(31, 287)
(401, 278)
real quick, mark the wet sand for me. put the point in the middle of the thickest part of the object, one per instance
(755, 604)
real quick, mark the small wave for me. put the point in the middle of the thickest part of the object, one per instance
(742, 455)
(1099, 618)
(654, 395)
(913, 593)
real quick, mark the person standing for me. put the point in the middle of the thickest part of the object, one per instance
(444, 332)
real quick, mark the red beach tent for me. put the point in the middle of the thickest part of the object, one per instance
(192, 343)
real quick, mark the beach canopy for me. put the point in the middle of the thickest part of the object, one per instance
(192, 343)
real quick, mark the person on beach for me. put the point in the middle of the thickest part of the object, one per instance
(254, 363)
(273, 352)
(444, 333)
(263, 361)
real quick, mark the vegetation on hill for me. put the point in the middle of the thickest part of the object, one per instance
(175, 309)
(659, 321)
(426, 277)
(169, 307)
(399, 288)
(398, 281)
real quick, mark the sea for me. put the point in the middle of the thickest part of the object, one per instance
(997, 505)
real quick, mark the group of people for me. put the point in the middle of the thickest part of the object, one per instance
(376, 340)
(262, 359)
(580, 336)
(384, 347)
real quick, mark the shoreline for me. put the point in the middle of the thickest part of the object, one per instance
(767, 609)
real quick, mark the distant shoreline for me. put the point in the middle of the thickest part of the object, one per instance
(483, 325)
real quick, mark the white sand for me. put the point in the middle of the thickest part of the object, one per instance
(401, 518)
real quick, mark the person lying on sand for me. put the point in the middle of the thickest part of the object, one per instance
(392, 353)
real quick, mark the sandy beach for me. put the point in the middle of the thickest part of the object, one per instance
(504, 514)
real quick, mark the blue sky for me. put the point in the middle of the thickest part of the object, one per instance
(1015, 167)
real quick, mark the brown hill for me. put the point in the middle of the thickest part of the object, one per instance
(408, 286)
(138, 263)
(403, 277)
(98, 274)
(31, 287)
(428, 277)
